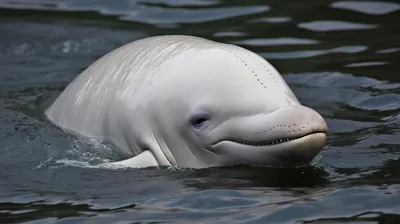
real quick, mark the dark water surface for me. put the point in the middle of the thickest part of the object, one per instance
(340, 58)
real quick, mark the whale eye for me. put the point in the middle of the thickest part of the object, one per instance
(198, 121)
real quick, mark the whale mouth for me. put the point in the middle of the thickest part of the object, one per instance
(279, 152)
(268, 142)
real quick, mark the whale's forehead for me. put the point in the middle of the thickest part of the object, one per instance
(227, 76)
(179, 66)
(229, 64)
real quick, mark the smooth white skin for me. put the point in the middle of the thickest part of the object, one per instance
(144, 95)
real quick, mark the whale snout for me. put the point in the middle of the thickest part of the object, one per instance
(287, 136)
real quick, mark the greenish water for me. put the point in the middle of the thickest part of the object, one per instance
(339, 57)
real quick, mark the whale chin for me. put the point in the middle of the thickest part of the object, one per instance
(279, 153)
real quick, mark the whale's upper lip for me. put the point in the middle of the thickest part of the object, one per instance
(267, 141)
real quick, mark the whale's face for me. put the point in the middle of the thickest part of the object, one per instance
(242, 111)
(287, 136)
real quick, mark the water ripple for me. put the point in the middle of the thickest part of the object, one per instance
(271, 20)
(325, 26)
(368, 7)
(158, 15)
(367, 64)
(179, 3)
(313, 53)
(276, 41)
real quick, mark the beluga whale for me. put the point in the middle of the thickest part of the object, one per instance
(186, 101)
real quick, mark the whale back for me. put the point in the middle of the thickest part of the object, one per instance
(86, 102)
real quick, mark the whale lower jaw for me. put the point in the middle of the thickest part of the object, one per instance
(278, 153)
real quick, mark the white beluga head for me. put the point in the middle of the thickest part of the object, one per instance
(191, 102)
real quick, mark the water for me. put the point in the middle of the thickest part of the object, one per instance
(339, 57)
